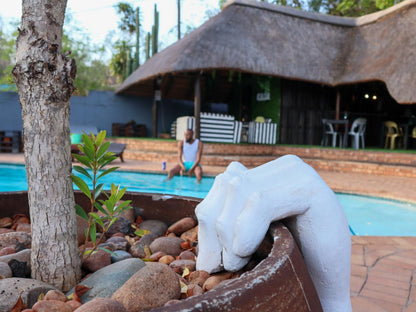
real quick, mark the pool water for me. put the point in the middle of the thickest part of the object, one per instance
(366, 215)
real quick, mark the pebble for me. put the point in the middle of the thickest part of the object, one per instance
(102, 305)
(19, 268)
(179, 265)
(138, 249)
(51, 306)
(190, 235)
(24, 227)
(156, 227)
(106, 281)
(199, 277)
(3, 230)
(121, 225)
(182, 225)
(6, 222)
(187, 255)
(149, 288)
(118, 243)
(194, 290)
(129, 215)
(55, 295)
(168, 259)
(17, 240)
(7, 251)
(73, 304)
(5, 271)
(96, 261)
(157, 255)
(30, 289)
(120, 255)
(22, 256)
(21, 218)
(168, 245)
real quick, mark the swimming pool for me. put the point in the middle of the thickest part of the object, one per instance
(366, 215)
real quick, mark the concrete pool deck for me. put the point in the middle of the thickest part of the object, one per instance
(382, 268)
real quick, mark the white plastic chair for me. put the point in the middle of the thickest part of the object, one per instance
(329, 131)
(357, 132)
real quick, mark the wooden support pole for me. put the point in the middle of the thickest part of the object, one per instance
(154, 113)
(197, 105)
(337, 105)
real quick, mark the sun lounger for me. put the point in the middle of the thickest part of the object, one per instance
(117, 149)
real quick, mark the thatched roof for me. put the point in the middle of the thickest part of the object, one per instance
(267, 39)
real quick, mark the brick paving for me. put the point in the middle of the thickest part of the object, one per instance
(382, 268)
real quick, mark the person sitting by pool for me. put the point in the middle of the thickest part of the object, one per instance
(189, 157)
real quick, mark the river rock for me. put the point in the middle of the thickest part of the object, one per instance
(187, 255)
(7, 251)
(121, 225)
(191, 235)
(194, 290)
(128, 215)
(96, 261)
(3, 230)
(107, 280)
(156, 227)
(118, 243)
(149, 288)
(73, 304)
(24, 227)
(55, 295)
(17, 240)
(198, 277)
(22, 256)
(138, 249)
(51, 306)
(179, 265)
(19, 268)
(21, 218)
(102, 305)
(6, 222)
(168, 245)
(10, 288)
(120, 255)
(5, 271)
(182, 225)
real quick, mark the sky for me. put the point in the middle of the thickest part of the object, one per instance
(99, 17)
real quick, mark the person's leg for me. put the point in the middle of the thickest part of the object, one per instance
(173, 171)
(198, 173)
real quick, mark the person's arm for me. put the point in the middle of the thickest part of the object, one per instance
(198, 157)
(180, 154)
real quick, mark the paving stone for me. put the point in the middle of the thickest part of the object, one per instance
(356, 283)
(388, 282)
(359, 270)
(389, 290)
(384, 297)
(360, 304)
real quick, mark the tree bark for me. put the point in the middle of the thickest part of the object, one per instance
(44, 78)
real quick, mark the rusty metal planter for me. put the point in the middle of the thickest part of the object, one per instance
(280, 282)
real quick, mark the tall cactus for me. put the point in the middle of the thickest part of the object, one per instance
(137, 54)
(179, 18)
(155, 32)
(148, 38)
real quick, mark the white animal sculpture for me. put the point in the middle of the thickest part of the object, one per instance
(236, 214)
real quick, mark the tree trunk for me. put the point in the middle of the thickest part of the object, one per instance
(44, 78)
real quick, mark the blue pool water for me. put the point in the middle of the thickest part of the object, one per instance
(366, 215)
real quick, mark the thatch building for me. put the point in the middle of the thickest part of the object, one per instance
(292, 66)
